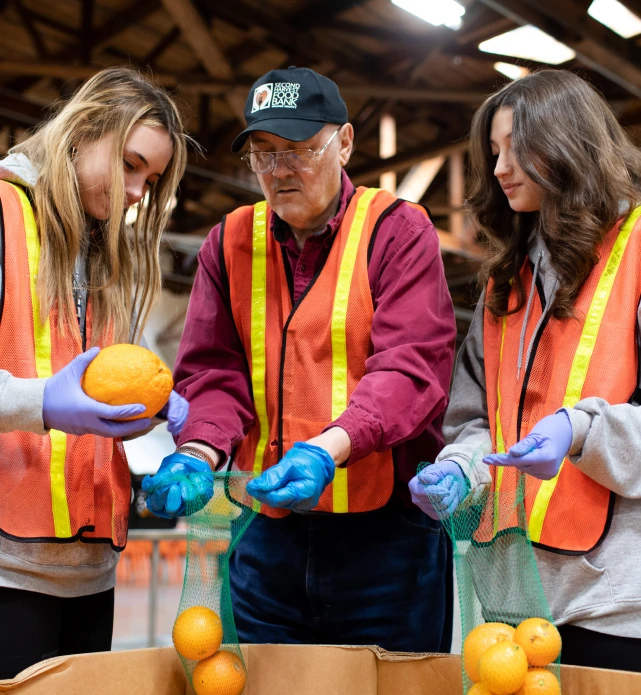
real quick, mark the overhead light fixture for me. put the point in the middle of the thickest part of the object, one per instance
(514, 72)
(530, 43)
(616, 16)
(436, 12)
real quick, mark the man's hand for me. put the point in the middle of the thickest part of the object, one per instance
(297, 481)
(183, 485)
(541, 453)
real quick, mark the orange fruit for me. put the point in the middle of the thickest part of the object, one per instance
(503, 668)
(123, 374)
(540, 640)
(539, 681)
(479, 689)
(221, 674)
(197, 633)
(478, 642)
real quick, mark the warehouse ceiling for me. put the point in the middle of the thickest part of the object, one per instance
(387, 63)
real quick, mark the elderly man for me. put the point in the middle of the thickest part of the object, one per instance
(317, 353)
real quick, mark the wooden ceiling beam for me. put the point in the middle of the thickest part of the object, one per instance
(65, 71)
(322, 11)
(595, 45)
(418, 179)
(111, 29)
(413, 94)
(51, 22)
(137, 12)
(20, 110)
(402, 160)
(27, 20)
(314, 15)
(196, 32)
(163, 44)
(230, 183)
(370, 90)
(294, 39)
(483, 31)
(86, 30)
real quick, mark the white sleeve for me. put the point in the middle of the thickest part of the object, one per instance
(21, 404)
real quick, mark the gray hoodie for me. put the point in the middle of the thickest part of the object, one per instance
(600, 590)
(59, 569)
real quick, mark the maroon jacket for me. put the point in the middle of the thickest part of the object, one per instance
(401, 400)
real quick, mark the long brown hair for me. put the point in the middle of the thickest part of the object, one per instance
(567, 140)
(123, 264)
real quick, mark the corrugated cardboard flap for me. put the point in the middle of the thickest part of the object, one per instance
(136, 672)
(275, 669)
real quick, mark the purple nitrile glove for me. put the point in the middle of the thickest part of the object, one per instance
(297, 481)
(541, 453)
(66, 407)
(438, 489)
(175, 411)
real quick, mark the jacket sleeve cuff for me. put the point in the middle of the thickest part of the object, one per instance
(206, 432)
(581, 423)
(21, 404)
(469, 457)
(363, 430)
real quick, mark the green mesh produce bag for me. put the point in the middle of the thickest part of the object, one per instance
(212, 535)
(497, 576)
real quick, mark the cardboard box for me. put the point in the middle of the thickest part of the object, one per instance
(285, 670)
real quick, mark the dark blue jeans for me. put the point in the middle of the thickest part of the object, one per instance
(382, 577)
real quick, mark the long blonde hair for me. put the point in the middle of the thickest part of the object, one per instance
(123, 268)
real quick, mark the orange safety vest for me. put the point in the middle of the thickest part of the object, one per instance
(594, 354)
(306, 360)
(55, 487)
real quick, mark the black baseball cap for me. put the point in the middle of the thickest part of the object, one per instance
(293, 104)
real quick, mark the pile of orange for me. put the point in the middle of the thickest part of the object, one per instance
(126, 374)
(501, 660)
(197, 635)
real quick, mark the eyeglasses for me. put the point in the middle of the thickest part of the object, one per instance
(296, 160)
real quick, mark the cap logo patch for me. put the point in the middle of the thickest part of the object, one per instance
(285, 95)
(282, 95)
(262, 97)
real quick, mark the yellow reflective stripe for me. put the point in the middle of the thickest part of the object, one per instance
(59, 504)
(42, 343)
(500, 442)
(581, 361)
(339, 337)
(257, 333)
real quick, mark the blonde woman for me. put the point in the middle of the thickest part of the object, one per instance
(73, 279)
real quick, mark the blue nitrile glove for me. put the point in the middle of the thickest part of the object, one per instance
(175, 411)
(297, 480)
(183, 485)
(438, 489)
(66, 407)
(541, 453)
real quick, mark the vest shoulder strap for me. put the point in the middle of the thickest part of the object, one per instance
(1, 260)
(5, 186)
